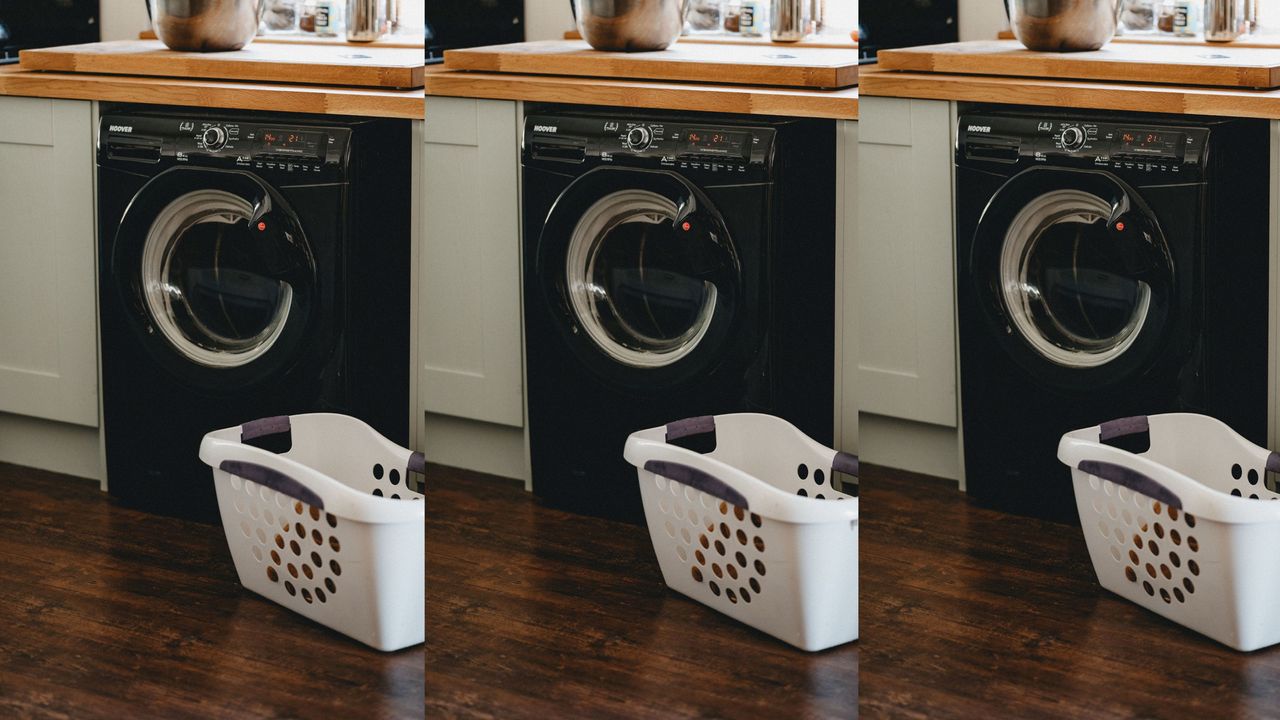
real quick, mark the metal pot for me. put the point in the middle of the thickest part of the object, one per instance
(1064, 25)
(206, 25)
(630, 25)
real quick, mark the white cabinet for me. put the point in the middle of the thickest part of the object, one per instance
(48, 316)
(471, 350)
(905, 260)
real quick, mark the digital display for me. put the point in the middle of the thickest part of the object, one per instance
(715, 140)
(1150, 141)
(290, 141)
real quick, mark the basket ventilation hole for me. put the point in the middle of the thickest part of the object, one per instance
(715, 568)
(275, 557)
(293, 570)
(1236, 492)
(1175, 537)
(320, 595)
(377, 491)
(333, 587)
(702, 559)
(820, 496)
(742, 559)
(272, 575)
(1164, 595)
(289, 586)
(377, 472)
(733, 597)
(335, 568)
(315, 513)
(739, 513)
(1147, 586)
(756, 520)
(333, 543)
(720, 547)
(759, 569)
(1129, 573)
(715, 589)
(331, 519)
(295, 547)
(1190, 519)
(1173, 558)
(724, 508)
(1177, 592)
(759, 543)
(697, 573)
(755, 585)
(1194, 567)
(706, 544)
(306, 595)
(803, 471)
(279, 541)
(306, 570)
(732, 570)
(1253, 477)
(315, 560)
(302, 531)
(1190, 586)
(1173, 513)
(818, 477)
(1159, 530)
(395, 477)
(297, 508)
(746, 597)
(724, 530)
(1193, 543)
(802, 492)
(1236, 471)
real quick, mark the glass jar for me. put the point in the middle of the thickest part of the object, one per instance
(1138, 16)
(703, 17)
(280, 16)
(1179, 17)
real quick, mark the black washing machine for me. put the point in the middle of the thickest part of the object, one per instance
(250, 265)
(1107, 266)
(674, 266)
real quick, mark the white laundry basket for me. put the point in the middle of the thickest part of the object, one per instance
(328, 529)
(1183, 529)
(753, 528)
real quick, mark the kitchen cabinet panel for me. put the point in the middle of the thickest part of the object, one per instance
(848, 302)
(471, 351)
(905, 272)
(48, 316)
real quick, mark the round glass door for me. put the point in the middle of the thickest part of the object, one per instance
(217, 276)
(1068, 282)
(1074, 276)
(640, 279)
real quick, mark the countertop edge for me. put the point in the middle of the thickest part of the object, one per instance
(311, 99)
(737, 99)
(1082, 94)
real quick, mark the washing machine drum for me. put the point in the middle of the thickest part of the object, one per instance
(641, 274)
(217, 274)
(1075, 276)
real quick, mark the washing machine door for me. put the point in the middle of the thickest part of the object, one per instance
(641, 274)
(217, 276)
(1075, 277)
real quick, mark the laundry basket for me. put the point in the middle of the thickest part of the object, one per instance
(328, 529)
(1185, 528)
(753, 528)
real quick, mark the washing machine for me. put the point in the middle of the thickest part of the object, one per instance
(1108, 266)
(675, 265)
(250, 265)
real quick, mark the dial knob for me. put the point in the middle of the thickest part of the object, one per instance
(1072, 138)
(215, 137)
(639, 138)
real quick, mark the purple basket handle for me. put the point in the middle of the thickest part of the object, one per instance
(1123, 426)
(273, 479)
(1132, 479)
(845, 463)
(417, 463)
(697, 479)
(1273, 462)
(691, 426)
(266, 426)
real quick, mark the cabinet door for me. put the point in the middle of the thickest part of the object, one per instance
(48, 311)
(847, 297)
(471, 354)
(906, 269)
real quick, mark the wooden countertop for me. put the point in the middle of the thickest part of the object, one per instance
(277, 97)
(966, 610)
(1134, 96)
(110, 612)
(537, 613)
(752, 64)
(706, 97)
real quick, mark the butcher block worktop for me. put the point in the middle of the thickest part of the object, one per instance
(972, 72)
(684, 62)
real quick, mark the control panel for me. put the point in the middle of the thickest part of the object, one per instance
(732, 152)
(299, 151)
(1152, 151)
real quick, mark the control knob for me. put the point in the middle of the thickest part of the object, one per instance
(215, 137)
(1072, 138)
(639, 138)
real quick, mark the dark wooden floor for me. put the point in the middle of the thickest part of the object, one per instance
(537, 613)
(110, 613)
(969, 613)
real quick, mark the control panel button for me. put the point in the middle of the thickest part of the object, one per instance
(214, 137)
(639, 138)
(1072, 138)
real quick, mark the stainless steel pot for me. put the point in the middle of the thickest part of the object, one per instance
(1064, 25)
(206, 25)
(630, 25)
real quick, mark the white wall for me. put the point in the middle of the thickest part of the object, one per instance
(982, 19)
(123, 19)
(546, 19)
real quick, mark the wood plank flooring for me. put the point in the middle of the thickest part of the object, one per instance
(106, 612)
(967, 612)
(536, 613)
